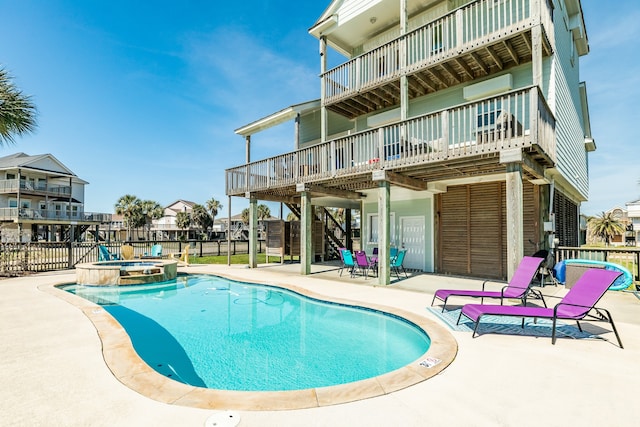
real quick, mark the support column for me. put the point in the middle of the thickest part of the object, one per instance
(515, 221)
(306, 252)
(253, 232)
(229, 231)
(404, 82)
(247, 143)
(347, 228)
(323, 69)
(384, 235)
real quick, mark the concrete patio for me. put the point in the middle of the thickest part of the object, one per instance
(54, 372)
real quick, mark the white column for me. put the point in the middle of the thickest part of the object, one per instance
(253, 232)
(515, 243)
(384, 235)
(306, 220)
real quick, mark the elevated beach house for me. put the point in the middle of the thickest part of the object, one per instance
(460, 130)
(42, 199)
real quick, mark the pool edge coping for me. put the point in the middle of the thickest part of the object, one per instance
(125, 364)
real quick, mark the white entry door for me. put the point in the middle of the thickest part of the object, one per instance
(412, 238)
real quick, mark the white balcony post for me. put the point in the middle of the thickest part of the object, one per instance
(384, 234)
(535, 114)
(306, 221)
(323, 88)
(515, 244)
(404, 82)
(444, 121)
(253, 232)
(459, 29)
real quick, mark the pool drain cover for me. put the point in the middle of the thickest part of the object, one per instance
(223, 419)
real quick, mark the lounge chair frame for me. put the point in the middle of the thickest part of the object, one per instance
(590, 312)
(515, 289)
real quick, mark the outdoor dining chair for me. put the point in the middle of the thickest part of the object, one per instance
(347, 260)
(363, 263)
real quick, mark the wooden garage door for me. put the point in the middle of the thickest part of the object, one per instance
(472, 228)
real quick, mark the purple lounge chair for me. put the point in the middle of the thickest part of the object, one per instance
(519, 287)
(578, 304)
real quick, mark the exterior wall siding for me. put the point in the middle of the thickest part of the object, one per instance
(402, 208)
(571, 154)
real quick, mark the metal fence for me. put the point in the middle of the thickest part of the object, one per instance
(20, 258)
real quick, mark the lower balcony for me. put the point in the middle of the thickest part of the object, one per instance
(462, 141)
(52, 216)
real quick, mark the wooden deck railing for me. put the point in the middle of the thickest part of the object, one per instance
(519, 118)
(463, 29)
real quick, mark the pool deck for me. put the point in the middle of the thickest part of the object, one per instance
(54, 371)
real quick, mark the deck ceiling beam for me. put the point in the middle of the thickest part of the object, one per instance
(512, 51)
(465, 67)
(449, 69)
(399, 180)
(428, 84)
(331, 191)
(480, 63)
(496, 58)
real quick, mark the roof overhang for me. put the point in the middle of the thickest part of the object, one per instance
(280, 117)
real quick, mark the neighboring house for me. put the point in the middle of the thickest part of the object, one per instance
(166, 228)
(633, 214)
(625, 239)
(42, 199)
(460, 130)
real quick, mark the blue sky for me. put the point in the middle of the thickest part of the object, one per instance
(143, 98)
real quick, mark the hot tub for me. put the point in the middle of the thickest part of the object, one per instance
(109, 273)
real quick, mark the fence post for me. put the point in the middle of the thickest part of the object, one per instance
(70, 255)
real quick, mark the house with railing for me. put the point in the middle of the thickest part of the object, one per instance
(42, 199)
(458, 128)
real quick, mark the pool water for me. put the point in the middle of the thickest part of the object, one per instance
(208, 331)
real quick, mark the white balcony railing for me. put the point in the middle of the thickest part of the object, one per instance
(516, 119)
(12, 186)
(463, 29)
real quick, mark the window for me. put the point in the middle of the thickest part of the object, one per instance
(372, 228)
(13, 203)
(11, 176)
(488, 112)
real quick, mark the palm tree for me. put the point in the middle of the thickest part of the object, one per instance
(606, 227)
(183, 220)
(150, 210)
(213, 206)
(264, 212)
(201, 217)
(245, 215)
(129, 207)
(17, 113)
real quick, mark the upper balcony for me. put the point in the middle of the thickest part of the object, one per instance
(12, 186)
(462, 141)
(473, 41)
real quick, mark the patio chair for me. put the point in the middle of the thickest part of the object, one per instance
(519, 287)
(156, 252)
(363, 263)
(396, 263)
(127, 252)
(182, 257)
(578, 304)
(347, 260)
(105, 255)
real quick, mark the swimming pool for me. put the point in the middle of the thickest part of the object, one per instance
(208, 331)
